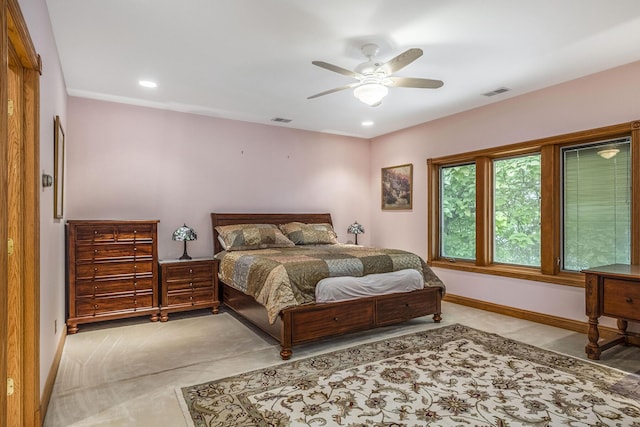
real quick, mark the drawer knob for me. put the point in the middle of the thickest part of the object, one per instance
(629, 300)
(190, 271)
(335, 319)
(407, 305)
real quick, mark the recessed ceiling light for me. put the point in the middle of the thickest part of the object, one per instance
(367, 123)
(147, 83)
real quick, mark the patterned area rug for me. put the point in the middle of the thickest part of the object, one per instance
(451, 376)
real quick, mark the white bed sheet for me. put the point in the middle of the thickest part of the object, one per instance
(345, 288)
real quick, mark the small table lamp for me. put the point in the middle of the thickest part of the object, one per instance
(356, 229)
(184, 234)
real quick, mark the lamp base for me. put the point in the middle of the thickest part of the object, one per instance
(185, 255)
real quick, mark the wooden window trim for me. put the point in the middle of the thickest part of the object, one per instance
(551, 182)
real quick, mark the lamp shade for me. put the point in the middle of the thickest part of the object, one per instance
(355, 228)
(184, 233)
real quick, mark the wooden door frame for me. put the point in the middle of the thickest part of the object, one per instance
(14, 35)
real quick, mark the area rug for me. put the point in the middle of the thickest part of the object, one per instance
(451, 376)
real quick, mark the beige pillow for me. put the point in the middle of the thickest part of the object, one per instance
(310, 234)
(242, 237)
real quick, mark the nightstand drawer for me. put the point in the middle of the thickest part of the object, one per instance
(194, 297)
(190, 271)
(183, 285)
(621, 298)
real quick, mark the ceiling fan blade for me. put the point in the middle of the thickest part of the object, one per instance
(336, 69)
(413, 82)
(338, 89)
(400, 61)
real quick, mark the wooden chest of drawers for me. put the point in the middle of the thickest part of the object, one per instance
(112, 271)
(188, 285)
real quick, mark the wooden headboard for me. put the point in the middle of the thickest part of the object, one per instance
(262, 218)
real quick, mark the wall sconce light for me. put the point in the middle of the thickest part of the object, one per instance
(356, 229)
(184, 234)
(47, 180)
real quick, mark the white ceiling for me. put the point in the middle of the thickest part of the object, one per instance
(250, 60)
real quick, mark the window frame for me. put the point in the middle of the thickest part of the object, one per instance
(551, 204)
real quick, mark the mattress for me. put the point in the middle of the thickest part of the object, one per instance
(334, 289)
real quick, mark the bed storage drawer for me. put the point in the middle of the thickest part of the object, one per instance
(400, 307)
(348, 316)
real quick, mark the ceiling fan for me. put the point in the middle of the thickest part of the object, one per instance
(374, 77)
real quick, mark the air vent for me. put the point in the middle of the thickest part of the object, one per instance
(280, 120)
(497, 91)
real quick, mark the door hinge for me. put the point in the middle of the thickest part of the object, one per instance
(10, 246)
(10, 107)
(10, 388)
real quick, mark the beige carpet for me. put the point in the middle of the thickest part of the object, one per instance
(451, 376)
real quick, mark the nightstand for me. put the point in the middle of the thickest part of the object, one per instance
(188, 285)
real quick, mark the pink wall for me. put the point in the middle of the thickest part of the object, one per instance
(602, 99)
(128, 162)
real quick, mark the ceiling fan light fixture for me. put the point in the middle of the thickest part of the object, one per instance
(608, 153)
(371, 93)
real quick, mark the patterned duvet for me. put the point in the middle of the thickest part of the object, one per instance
(284, 277)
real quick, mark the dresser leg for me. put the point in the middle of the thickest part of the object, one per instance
(72, 328)
(154, 317)
(593, 349)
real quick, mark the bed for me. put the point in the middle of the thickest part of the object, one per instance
(313, 321)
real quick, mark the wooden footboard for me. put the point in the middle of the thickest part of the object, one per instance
(312, 322)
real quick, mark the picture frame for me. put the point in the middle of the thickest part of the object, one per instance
(397, 187)
(58, 168)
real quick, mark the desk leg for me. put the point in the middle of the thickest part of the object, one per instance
(593, 349)
(622, 329)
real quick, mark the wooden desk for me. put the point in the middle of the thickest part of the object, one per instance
(612, 291)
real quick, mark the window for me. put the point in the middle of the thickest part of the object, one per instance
(516, 210)
(539, 210)
(458, 213)
(597, 204)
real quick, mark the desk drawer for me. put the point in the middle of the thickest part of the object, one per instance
(621, 299)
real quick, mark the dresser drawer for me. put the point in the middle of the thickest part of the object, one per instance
(191, 298)
(621, 298)
(95, 306)
(188, 272)
(118, 286)
(110, 269)
(331, 321)
(100, 252)
(399, 307)
(114, 232)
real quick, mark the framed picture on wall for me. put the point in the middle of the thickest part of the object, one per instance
(397, 187)
(58, 168)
